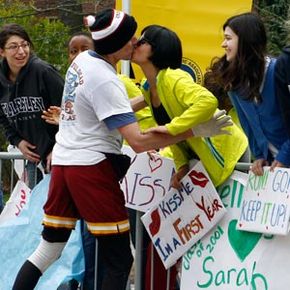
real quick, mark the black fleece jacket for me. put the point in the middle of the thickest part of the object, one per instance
(38, 86)
(282, 84)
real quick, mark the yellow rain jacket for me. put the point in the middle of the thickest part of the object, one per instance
(144, 116)
(189, 104)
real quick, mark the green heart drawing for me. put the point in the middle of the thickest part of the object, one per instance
(241, 241)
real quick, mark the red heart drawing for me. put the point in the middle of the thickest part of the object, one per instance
(154, 162)
(155, 224)
(198, 178)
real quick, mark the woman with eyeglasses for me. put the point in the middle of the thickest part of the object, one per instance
(28, 85)
(177, 104)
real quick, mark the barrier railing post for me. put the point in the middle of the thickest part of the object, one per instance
(9, 156)
(96, 265)
(138, 252)
(168, 279)
(152, 267)
(243, 166)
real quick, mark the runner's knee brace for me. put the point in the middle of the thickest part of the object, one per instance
(45, 254)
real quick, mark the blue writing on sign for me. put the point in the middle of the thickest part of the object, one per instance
(281, 181)
(250, 210)
(166, 249)
(170, 205)
(265, 213)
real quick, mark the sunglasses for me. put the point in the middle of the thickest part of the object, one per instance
(143, 40)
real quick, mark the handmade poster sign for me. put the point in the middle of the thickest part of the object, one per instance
(183, 216)
(229, 259)
(266, 203)
(19, 198)
(147, 179)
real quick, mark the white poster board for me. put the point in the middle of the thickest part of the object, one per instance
(266, 203)
(183, 216)
(147, 179)
(229, 259)
(17, 201)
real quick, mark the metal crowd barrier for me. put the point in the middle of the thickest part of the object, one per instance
(12, 157)
(137, 282)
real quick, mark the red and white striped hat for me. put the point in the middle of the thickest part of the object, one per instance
(111, 30)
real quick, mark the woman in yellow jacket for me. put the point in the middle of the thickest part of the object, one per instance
(178, 104)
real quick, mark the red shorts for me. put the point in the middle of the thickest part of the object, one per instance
(90, 192)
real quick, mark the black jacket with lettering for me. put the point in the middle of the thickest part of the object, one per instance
(282, 84)
(38, 86)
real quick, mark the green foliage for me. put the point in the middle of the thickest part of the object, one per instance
(275, 16)
(50, 41)
(49, 36)
(287, 26)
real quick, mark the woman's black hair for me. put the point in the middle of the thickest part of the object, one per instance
(13, 29)
(166, 46)
(245, 73)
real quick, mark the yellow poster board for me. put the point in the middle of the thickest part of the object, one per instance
(197, 23)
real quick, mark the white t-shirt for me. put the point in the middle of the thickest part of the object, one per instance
(92, 93)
